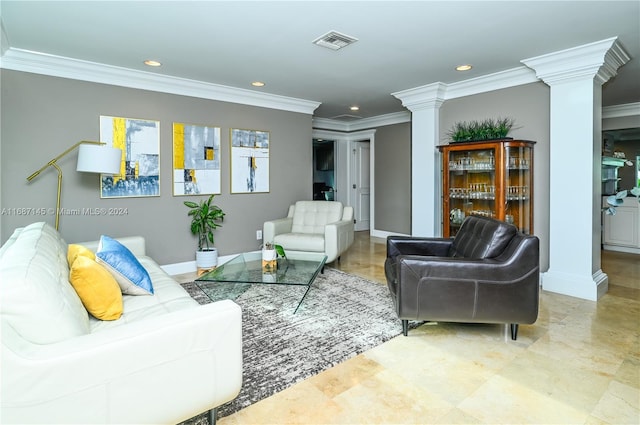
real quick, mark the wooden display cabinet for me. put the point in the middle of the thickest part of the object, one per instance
(488, 178)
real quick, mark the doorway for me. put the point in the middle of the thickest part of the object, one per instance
(324, 178)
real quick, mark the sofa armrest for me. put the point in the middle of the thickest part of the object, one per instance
(135, 244)
(276, 227)
(134, 373)
(407, 245)
(338, 237)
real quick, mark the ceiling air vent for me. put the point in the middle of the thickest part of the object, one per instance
(334, 40)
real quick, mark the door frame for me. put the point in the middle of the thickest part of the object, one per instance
(344, 143)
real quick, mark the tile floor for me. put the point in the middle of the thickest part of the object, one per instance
(579, 363)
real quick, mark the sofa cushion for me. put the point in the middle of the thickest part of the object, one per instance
(98, 290)
(301, 241)
(480, 238)
(168, 296)
(127, 270)
(37, 299)
(312, 216)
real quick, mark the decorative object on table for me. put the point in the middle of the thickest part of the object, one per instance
(616, 200)
(92, 158)
(205, 218)
(196, 159)
(249, 161)
(140, 165)
(269, 258)
(487, 129)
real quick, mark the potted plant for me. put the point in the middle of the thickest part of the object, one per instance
(205, 218)
(488, 129)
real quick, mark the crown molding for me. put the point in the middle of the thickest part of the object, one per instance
(340, 136)
(498, 80)
(58, 66)
(362, 123)
(433, 95)
(423, 97)
(599, 60)
(625, 110)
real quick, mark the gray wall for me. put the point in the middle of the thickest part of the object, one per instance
(42, 116)
(529, 106)
(393, 178)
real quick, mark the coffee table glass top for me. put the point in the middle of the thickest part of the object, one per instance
(232, 278)
(297, 269)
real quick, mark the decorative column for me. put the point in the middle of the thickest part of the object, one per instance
(424, 103)
(575, 77)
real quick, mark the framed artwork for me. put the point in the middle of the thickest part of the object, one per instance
(196, 159)
(249, 161)
(140, 168)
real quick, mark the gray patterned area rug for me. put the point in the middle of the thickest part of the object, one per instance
(341, 316)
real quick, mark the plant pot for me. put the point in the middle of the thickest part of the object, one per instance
(207, 259)
(269, 260)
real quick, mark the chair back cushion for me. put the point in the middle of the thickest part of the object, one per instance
(312, 216)
(481, 237)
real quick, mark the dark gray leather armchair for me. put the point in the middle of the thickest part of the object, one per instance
(488, 273)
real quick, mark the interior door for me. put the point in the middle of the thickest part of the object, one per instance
(361, 186)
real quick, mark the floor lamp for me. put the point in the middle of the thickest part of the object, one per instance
(92, 158)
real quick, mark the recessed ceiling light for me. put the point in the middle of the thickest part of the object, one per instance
(150, 62)
(257, 84)
(463, 67)
(355, 108)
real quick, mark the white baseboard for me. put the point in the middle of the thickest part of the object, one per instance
(627, 249)
(383, 234)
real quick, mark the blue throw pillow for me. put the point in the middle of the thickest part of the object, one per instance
(132, 278)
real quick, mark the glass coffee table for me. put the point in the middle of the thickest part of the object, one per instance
(234, 277)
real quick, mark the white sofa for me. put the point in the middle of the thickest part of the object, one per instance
(165, 360)
(313, 226)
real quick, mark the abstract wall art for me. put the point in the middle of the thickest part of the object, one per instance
(139, 141)
(196, 159)
(249, 161)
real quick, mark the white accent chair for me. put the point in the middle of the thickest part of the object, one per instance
(313, 226)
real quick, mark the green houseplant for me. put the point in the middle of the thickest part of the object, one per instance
(487, 129)
(205, 218)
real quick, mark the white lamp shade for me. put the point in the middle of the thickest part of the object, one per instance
(99, 159)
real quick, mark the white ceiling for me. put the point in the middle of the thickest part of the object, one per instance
(401, 45)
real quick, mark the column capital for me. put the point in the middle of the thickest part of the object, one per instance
(423, 97)
(599, 60)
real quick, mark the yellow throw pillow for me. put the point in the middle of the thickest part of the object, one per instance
(98, 290)
(76, 250)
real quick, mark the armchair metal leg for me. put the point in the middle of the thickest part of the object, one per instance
(514, 331)
(405, 327)
(213, 416)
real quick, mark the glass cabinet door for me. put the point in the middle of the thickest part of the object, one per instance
(471, 185)
(518, 187)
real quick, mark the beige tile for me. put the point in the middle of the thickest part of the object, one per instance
(386, 398)
(619, 405)
(340, 378)
(502, 401)
(565, 383)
